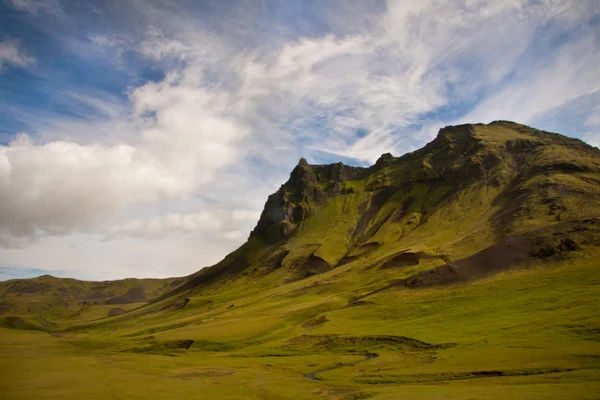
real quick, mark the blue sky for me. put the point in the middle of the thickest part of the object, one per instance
(142, 138)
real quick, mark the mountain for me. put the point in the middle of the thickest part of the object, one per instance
(471, 260)
(501, 194)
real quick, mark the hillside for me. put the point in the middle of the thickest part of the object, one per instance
(46, 298)
(465, 269)
(473, 188)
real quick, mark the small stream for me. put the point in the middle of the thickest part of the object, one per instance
(313, 375)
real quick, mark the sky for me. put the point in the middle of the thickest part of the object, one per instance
(141, 138)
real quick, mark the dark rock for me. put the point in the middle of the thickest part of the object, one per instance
(115, 311)
(135, 294)
(385, 160)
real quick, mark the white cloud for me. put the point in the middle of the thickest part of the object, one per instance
(157, 226)
(157, 47)
(209, 222)
(61, 186)
(233, 235)
(114, 43)
(30, 6)
(108, 41)
(89, 256)
(245, 215)
(10, 54)
(183, 139)
(535, 91)
(415, 59)
(34, 6)
(593, 138)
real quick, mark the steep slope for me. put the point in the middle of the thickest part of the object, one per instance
(473, 187)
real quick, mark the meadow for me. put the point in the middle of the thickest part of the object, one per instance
(523, 334)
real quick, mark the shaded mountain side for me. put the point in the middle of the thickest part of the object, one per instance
(560, 241)
(308, 188)
(476, 200)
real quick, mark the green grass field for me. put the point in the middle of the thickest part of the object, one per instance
(523, 334)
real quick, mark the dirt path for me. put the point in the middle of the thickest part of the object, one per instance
(313, 375)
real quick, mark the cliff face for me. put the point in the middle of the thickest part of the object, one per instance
(499, 155)
(306, 191)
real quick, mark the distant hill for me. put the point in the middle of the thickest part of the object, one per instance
(47, 297)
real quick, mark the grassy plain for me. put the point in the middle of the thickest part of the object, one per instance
(523, 334)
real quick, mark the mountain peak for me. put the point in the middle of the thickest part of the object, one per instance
(384, 160)
(461, 155)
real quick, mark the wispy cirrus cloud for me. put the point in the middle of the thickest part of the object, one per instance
(157, 47)
(36, 6)
(11, 54)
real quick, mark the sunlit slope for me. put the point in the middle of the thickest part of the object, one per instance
(529, 333)
(473, 187)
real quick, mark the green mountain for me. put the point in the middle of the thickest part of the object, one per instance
(465, 269)
(476, 190)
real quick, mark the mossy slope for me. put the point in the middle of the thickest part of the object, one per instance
(473, 187)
